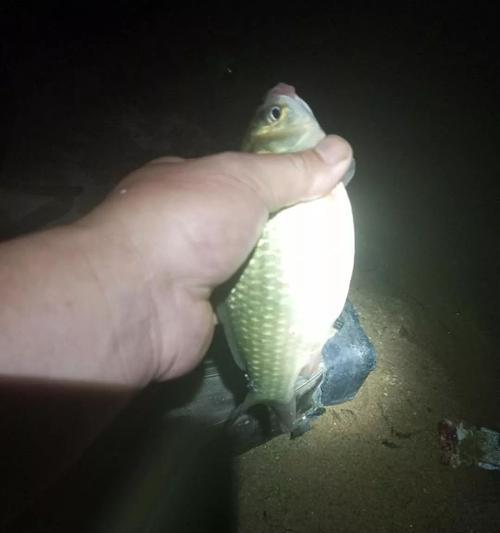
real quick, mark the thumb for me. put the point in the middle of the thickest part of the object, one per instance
(285, 179)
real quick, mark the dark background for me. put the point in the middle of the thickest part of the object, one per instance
(415, 89)
(89, 92)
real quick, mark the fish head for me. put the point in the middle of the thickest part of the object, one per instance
(283, 123)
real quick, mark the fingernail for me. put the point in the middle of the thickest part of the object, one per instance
(333, 150)
(349, 173)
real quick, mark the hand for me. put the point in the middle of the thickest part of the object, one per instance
(122, 296)
(193, 222)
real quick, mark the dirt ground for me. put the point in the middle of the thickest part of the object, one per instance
(425, 281)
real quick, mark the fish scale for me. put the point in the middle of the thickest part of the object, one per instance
(264, 315)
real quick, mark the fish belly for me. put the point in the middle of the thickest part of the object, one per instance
(280, 312)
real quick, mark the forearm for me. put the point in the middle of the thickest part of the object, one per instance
(73, 309)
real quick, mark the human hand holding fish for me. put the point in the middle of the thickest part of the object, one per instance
(122, 296)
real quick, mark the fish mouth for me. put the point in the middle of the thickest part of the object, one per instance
(283, 89)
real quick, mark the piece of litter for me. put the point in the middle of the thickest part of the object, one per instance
(462, 444)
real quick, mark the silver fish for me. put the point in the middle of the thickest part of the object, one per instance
(280, 312)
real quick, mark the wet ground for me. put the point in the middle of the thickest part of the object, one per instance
(419, 108)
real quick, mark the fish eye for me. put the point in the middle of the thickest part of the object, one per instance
(274, 113)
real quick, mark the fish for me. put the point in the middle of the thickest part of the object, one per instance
(280, 311)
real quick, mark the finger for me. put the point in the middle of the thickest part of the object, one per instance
(286, 179)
